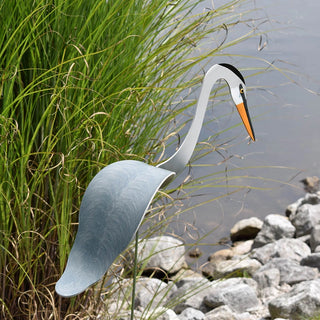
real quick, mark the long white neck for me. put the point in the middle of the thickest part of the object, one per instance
(181, 157)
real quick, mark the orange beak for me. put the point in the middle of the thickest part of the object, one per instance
(244, 114)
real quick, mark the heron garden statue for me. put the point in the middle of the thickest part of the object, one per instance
(118, 197)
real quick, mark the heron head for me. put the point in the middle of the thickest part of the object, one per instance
(238, 93)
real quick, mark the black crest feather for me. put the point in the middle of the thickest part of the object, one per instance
(233, 69)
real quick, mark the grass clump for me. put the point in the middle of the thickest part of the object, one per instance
(82, 84)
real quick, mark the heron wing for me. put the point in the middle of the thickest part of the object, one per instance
(111, 211)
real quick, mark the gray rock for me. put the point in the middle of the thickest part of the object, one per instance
(168, 315)
(246, 316)
(267, 277)
(309, 198)
(233, 282)
(195, 281)
(291, 272)
(236, 267)
(163, 252)
(191, 314)
(236, 293)
(193, 293)
(274, 227)
(245, 229)
(269, 293)
(242, 247)
(126, 315)
(160, 314)
(183, 274)
(302, 301)
(259, 314)
(190, 294)
(150, 292)
(317, 249)
(312, 260)
(305, 239)
(293, 249)
(293, 207)
(315, 237)
(306, 218)
(221, 313)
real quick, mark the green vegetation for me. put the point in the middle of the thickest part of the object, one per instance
(83, 84)
(316, 317)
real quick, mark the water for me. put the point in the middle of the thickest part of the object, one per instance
(286, 125)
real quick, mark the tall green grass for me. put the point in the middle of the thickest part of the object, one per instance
(82, 84)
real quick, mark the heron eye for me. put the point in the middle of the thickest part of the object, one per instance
(241, 91)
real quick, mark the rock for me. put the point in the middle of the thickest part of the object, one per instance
(311, 184)
(274, 227)
(166, 315)
(306, 218)
(239, 298)
(185, 274)
(159, 313)
(310, 198)
(259, 314)
(190, 294)
(191, 314)
(246, 316)
(224, 254)
(291, 272)
(209, 270)
(152, 292)
(293, 207)
(163, 252)
(312, 260)
(269, 293)
(242, 247)
(238, 294)
(245, 229)
(236, 267)
(305, 239)
(194, 280)
(195, 253)
(238, 249)
(221, 313)
(126, 315)
(285, 275)
(302, 301)
(118, 307)
(267, 278)
(315, 237)
(284, 248)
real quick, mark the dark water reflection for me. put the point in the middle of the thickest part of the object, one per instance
(286, 125)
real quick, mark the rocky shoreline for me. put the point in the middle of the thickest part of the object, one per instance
(271, 271)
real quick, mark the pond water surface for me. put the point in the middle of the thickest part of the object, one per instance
(286, 121)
